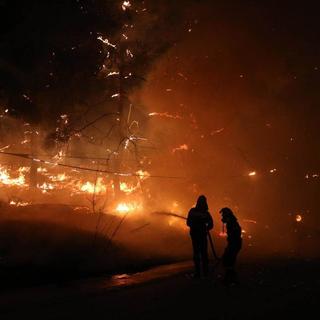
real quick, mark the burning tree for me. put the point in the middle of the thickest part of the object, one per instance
(81, 68)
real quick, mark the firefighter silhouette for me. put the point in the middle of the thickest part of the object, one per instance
(234, 244)
(200, 222)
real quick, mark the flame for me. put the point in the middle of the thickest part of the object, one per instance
(143, 175)
(7, 180)
(45, 187)
(18, 203)
(59, 177)
(128, 207)
(98, 187)
(252, 173)
(127, 188)
(298, 218)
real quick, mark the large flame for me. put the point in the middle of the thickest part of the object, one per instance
(6, 179)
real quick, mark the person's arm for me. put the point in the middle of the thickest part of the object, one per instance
(189, 222)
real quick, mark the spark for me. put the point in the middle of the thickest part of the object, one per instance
(180, 148)
(125, 5)
(129, 53)
(273, 170)
(26, 97)
(249, 220)
(252, 173)
(312, 175)
(298, 218)
(164, 115)
(216, 131)
(113, 73)
(107, 42)
(115, 95)
(4, 148)
(182, 76)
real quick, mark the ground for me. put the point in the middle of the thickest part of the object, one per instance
(277, 288)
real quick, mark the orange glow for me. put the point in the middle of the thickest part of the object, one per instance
(6, 179)
(97, 187)
(298, 218)
(128, 207)
(18, 203)
(180, 148)
(124, 187)
(222, 234)
(252, 173)
(143, 175)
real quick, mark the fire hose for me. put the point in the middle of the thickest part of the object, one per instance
(212, 246)
(208, 234)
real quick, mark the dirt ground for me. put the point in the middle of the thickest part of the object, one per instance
(269, 288)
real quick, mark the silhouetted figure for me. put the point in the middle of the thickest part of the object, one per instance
(234, 244)
(200, 222)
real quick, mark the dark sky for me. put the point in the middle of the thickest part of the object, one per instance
(250, 68)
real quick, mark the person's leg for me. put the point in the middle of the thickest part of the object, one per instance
(196, 255)
(234, 275)
(227, 264)
(204, 255)
(229, 261)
